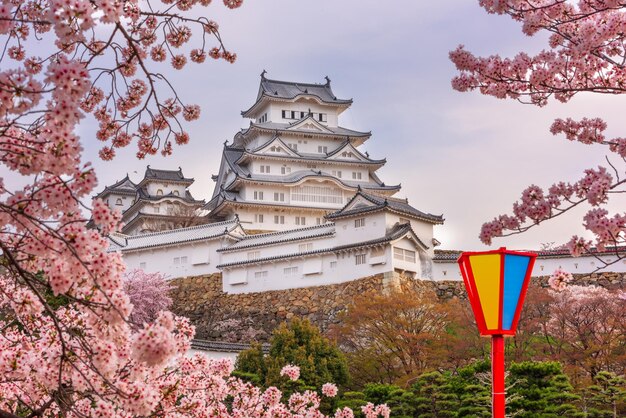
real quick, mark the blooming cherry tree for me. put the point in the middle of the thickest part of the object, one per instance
(63, 60)
(586, 53)
(149, 294)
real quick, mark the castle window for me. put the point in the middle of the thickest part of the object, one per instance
(358, 223)
(142, 265)
(279, 197)
(258, 195)
(279, 219)
(333, 264)
(404, 255)
(300, 220)
(356, 175)
(285, 170)
(293, 114)
(259, 274)
(322, 117)
(258, 218)
(183, 260)
(175, 192)
(316, 194)
(253, 255)
(322, 149)
(118, 202)
(160, 192)
(305, 247)
(359, 259)
(302, 114)
(157, 209)
(290, 270)
(284, 114)
(176, 261)
(337, 173)
(265, 169)
(293, 146)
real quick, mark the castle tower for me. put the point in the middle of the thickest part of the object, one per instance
(294, 163)
(160, 201)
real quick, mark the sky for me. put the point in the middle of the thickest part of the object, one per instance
(463, 155)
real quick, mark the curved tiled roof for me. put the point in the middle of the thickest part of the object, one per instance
(289, 90)
(124, 186)
(398, 231)
(453, 255)
(284, 127)
(378, 203)
(260, 240)
(174, 236)
(165, 175)
(314, 157)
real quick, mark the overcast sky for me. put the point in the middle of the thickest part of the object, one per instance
(462, 155)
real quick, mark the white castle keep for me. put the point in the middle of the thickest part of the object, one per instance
(295, 204)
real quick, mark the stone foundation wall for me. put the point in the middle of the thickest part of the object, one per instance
(253, 316)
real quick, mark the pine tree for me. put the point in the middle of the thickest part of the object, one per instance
(607, 396)
(434, 396)
(300, 343)
(540, 390)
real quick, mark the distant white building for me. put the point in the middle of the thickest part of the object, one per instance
(160, 201)
(445, 265)
(296, 204)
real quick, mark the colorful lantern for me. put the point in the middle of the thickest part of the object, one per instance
(496, 283)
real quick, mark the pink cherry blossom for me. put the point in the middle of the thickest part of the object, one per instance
(291, 371)
(329, 389)
(584, 54)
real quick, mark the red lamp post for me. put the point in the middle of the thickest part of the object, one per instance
(496, 283)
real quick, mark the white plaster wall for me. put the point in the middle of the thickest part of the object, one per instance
(161, 260)
(345, 270)
(347, 233)
(277, 249)
(250, 221)
(274, 111)
(127, 201)
(424, 230)
(153, 187)
(543, 267)
(413, 267)
(216, 355)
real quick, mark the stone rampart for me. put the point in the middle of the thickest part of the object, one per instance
(253, 316)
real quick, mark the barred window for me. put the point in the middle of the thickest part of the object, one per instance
(404, 255)
(359, 259)
(316, 194)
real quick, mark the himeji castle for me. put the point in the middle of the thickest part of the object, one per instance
(295, 204)
(294, 163)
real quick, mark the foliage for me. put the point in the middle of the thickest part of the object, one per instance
(149, 294)
(585, 54)
(607, 396)
(393, 338)
(68, 346)
(540, 389)
(299, 343)
(435, 396)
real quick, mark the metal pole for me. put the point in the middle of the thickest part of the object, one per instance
(497, 376)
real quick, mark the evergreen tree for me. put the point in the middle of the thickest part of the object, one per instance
(299, 343)
(607, 396)
(540, 390)
(434, 396)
